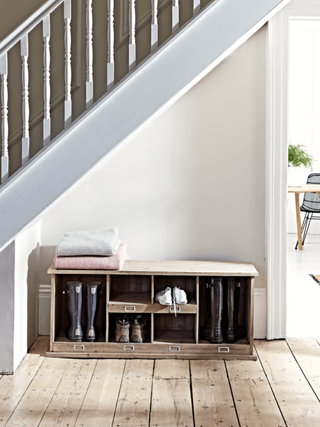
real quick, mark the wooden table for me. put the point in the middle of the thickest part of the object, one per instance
(307, 188)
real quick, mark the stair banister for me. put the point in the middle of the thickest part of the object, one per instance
(154, 25)
(196, 6)
(21, 34)
(110, 39)
(25, 98)
(89, 54)
(132, 34)
(175, 15)
(4, 117)
(67, 63)
(28, 25)
(46, 81)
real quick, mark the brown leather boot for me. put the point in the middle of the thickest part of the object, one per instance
(122, 329)
(139, 329)
(234, 330)
(213, 332)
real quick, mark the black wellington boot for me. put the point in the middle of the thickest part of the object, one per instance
(213, 331)
(93, 297)
(234, 330)
(207, 329)
(74, 292)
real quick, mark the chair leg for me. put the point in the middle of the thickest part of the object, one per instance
(309, 219)
(302, 227)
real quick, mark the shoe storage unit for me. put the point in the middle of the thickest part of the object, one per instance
(178, 331)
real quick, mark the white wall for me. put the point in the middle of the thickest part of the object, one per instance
(27, 260)
(191, 185)
(7, 260)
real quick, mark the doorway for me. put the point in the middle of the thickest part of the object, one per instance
(278, 135)
(303, 292)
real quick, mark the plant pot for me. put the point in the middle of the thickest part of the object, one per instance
(295, 177)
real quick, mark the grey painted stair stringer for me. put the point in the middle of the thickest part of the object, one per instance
(114, 118)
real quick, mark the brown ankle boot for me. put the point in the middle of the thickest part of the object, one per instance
(122, 329)
(139, 330)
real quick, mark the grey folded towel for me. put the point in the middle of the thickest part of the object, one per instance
(95, 243)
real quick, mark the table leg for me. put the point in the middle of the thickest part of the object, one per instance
(298, 221)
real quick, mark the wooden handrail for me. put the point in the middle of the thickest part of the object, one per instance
(28, 25)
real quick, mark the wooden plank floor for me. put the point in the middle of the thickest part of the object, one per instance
(282, 388)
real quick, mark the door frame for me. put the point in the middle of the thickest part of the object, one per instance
(276, 160)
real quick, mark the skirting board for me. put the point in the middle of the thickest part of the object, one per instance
(44, 310)
(260, 312)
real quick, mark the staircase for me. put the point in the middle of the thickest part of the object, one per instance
(170, 70)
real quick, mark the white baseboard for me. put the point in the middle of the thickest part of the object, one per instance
(260, 314)
(44, 309)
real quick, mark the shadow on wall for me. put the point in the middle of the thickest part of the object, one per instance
(32, 295)
(47, 254)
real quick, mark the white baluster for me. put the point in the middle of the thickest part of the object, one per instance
(89, 56)
(154, 25)
(196, 6)
(175, 15)
(132, 34)
(25, 99)
(46, 81)
(4, 118)
(67, 67)
(110, 56)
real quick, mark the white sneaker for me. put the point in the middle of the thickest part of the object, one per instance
(179, 296)
(164, 297)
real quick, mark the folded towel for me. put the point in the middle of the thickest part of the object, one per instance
(114, 262)
(94, 243)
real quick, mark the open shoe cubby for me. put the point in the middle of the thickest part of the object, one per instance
(173, 332)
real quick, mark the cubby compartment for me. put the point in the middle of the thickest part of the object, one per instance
(242, 308)
(61, 317)
(131, 289)
(187, 283)
(112, 325)
(169, 328)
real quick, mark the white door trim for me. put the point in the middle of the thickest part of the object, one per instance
(276, 159)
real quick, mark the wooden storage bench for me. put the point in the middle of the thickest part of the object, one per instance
(132, 290)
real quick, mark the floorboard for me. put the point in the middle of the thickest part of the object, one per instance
(171, 403)
(171, 368)
(67, 400)
(134, 399)
(254, 400)
(212, 398)
(40, 346)
(280, 389)
(102, 395)
(13, 387)
(38, 396)
(297, 401)
(307, 355)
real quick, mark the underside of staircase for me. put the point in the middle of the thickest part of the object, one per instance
(144, 93)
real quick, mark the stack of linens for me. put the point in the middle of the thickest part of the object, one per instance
(91, 250)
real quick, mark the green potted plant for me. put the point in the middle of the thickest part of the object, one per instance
(297, 157)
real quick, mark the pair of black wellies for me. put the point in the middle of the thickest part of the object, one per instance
(74, 294)
(223, 307)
